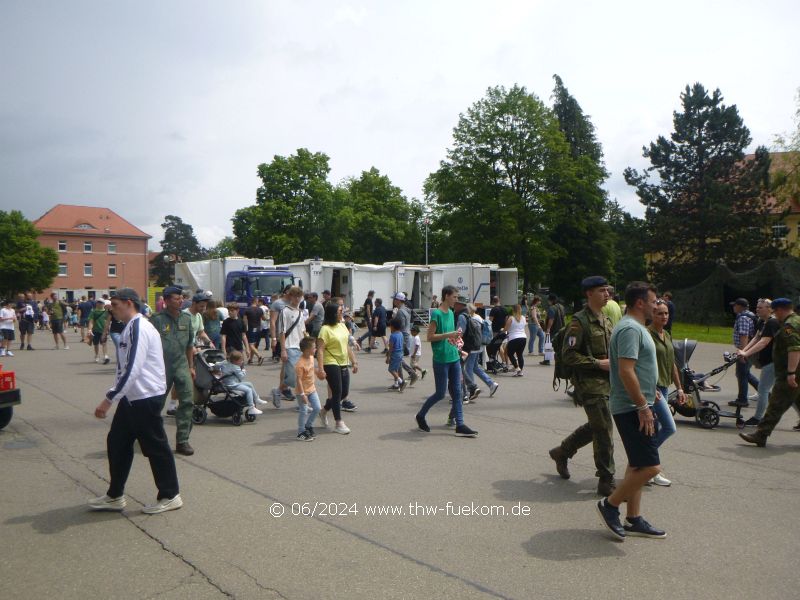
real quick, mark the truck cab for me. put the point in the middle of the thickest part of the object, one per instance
(256, 282)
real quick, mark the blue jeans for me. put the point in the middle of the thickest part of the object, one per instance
(764, 388)
(535, 331)
(744, 376)
(664, 416)
(444, 374)
(308, 412)
(289, 377)
(248, 389)
(471, 367)
(115, 337)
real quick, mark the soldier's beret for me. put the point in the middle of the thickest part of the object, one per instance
(593, 282)
(781, 303)
(172, 289)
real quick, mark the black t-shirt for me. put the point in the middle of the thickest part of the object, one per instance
(116, 326)
(368, 308)
(253, 314)
(233, 330)
(498, 316)
(769, 329)
(380, 314)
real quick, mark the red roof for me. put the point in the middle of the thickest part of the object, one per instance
(86, 220)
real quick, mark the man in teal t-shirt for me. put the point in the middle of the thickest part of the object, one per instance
(445, 341)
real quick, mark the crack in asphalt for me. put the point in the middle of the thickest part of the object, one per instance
(256, 581)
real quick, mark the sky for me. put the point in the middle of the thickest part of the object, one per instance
(165, 107)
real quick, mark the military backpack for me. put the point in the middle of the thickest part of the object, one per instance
(561, 370)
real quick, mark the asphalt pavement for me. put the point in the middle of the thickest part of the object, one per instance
(387, 511)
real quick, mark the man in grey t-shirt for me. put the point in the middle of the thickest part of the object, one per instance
(316, 314)
(403, 313)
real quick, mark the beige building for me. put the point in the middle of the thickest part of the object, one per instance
(98, 251)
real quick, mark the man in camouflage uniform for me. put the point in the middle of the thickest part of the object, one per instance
(177, 340)
(785, 356)
(585, 351)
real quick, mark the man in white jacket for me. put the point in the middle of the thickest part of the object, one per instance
(139, 390)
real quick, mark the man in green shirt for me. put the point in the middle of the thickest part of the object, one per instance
(445, 342)
(57, 313)
(97, 326)
(177, 341)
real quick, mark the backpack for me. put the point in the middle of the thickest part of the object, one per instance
(562, 371)
(472, 336)
(486, 332)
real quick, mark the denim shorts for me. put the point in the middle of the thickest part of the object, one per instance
(642, 450)
(394, 363)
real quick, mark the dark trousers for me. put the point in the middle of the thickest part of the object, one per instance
(516, 352)
(598, 431)
(339, 380)
(140, 421)
(744, 376)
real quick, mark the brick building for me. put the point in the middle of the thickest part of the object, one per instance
(98, 251)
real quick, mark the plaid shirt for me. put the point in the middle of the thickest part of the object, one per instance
(745, 325)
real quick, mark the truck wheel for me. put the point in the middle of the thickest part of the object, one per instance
(5, 415)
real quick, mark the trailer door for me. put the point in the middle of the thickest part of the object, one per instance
(507, 286)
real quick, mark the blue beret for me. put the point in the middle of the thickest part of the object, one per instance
(593, 282)
(781, 303)
(172, 289)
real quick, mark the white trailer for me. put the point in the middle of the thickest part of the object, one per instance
(210, 274)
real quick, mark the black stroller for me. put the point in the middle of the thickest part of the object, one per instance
(493, 365)
(231, 403)
(705, 412)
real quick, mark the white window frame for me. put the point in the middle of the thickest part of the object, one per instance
(62, 269)
(780, 231)
(88, 245)
(88, 267)
(112, 270)
(62, 243)
(112, 247)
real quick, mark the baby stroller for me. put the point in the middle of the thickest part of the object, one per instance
(230, 404)
(493, 365)
(705, 412)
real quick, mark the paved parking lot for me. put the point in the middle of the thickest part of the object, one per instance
(396, 513)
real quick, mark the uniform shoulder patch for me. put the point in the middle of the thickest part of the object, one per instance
(571, 341)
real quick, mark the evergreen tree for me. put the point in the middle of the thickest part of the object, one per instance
(179, 245)
(708, 204)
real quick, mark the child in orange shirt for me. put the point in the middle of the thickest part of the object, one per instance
(306, 392)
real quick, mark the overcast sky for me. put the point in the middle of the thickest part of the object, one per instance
(166, 107)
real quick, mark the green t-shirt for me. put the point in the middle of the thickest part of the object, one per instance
(632, 340)
(98, 318)
(613, 311)
(665, 356)
(57, 311)
(443, 351)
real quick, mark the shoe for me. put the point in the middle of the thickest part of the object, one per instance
(414, 378)
(610, 518)
(661, 480)
(367, 350)
(393, 387)
(558, 455)
(97, 360)
(30, 347)
(423, 426)
(474, 393)
(106, 360)
(752, 422)
(171, 412)
(66, 347)
(163, 505)
(311, 432)
(106, 502)
(451, 422)
(342, 428)
(9, 353)
(184, 448)
(518, 374)
(260, 360)
(22, 346)
(276, 398)
(424, 372)
(753, 396)
(323, 418)
(493, 389)
(544, 362)
(464, 431)
(287, 394)
(742, 403)
(402, 386)
(465, 401)
(754, 438)
(637, 526)
(254, 411)
(385, 351)
(606, 487)
(304, 436)
(260, 402)
(348, 406)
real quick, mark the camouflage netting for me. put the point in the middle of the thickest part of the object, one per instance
(708, 301)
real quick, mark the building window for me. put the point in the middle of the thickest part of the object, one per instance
(62, 245)
(87, 246)
(112, 270)
(779, 232)
(62, 269)
(87, 269)
(112, 247)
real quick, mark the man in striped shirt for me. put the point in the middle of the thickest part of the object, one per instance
(139, 390)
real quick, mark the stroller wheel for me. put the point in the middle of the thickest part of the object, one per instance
(199, 415)
(237, 418)
(249, 417)
(707, 417)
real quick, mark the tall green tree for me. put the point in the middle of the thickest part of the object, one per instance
(581, 239)
(25, 264)
(384, 226)
(491, 198)
(298, 213)
(630, 241)
(179, 244)
(708, 204)
(224, 248)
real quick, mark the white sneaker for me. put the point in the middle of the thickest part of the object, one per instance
(163, 505)
(342, 428)
(661, 480)
(97, 360)
(66, 347)
(9, 353)
(254, 411)
(105, 502)
(172, 405)
(260, 402)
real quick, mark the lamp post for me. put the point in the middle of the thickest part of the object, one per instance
(427, 222)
